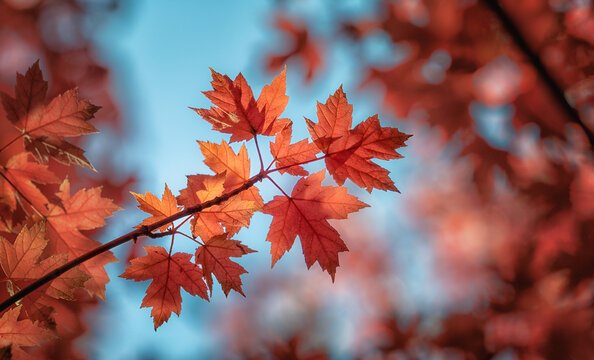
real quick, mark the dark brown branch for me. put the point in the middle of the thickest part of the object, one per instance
(544, 73)
(133, 235)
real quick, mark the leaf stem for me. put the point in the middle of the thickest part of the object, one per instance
(171, 248)
(544, 73)
(146, 230)
(259, 153)
(278, 187)
(271, 163)
(180, 224)
(186, 235)
(298, 164)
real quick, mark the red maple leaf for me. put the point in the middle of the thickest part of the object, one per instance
(272, 101)
(30, 91)
(21, 333)
(44, 127)
(214, 257)
(287, 156)
(85, 210)
(22, 265)
(159, 209)
(227, 217)
(17, 180)
(305, 213)
(238, 113)
(169, 273)
(222, 159)
(349, 151)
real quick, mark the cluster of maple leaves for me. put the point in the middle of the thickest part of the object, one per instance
(39, 234)
(233, 198)
(43, 223)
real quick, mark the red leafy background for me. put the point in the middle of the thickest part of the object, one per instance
(499, 199)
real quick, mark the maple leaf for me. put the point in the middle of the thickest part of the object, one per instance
(305, 213)
(160, 209)
(169, 273)
(238, 113)
(229, 216)
(85, 210)
(214, 257)
(334, 120)
(272, 102)
(21, 333)
(17, 181)
(349, 151)
(288, 155)
(30, 91)
(21, 264)
(44, 127)
(65, 115)
(221, 158)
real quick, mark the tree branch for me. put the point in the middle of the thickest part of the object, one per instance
(544, 73)
(146, 230)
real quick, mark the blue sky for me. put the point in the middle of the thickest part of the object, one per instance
(160, 55)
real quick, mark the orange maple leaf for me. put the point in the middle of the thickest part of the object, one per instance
(222, 159)
(238, 113)
(22, 265)
(21, 333)
(169, 273)
(349, 151)
(272, 102)
(44, 127)
(287, 156)
(17, 181)
(65, 115)
(334, 121)
(159, 209)
(30, 91)
(305, 213)
(214, 257)
(85, 210)
(229, 216)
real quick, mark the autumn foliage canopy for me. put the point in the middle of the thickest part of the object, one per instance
(499, 97)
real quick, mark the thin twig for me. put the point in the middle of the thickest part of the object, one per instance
(259, 153)
(304, 162)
